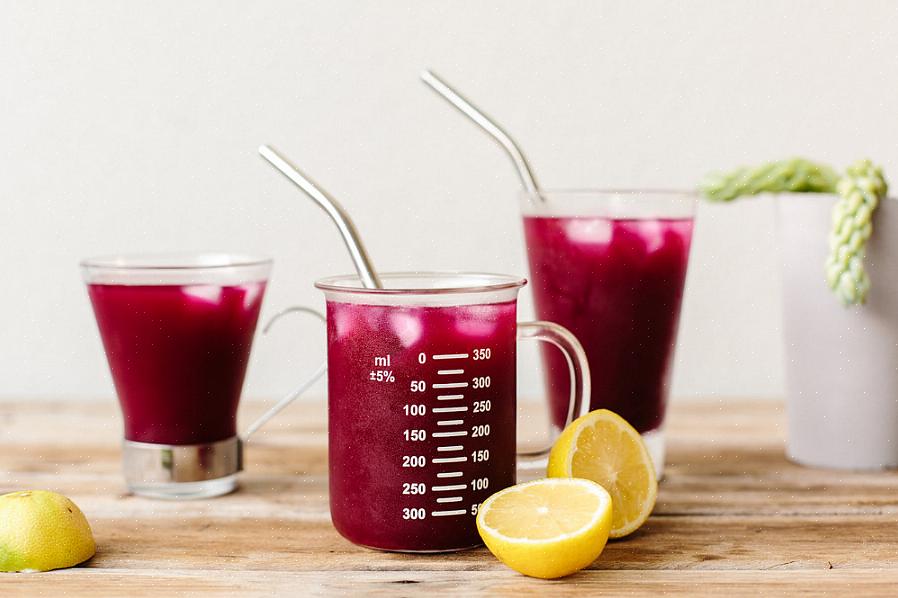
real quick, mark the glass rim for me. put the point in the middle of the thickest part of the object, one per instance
(174, 262)
(488, 282)
(625, 191)
(639, 204)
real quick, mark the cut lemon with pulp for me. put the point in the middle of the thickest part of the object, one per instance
(601, 446)
(42, 530)
(546, 528)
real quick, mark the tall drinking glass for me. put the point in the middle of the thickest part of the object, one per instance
(610, 266)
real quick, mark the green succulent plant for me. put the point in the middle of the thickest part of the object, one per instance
(861, 188)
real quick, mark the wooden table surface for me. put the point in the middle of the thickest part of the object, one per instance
(733, 516)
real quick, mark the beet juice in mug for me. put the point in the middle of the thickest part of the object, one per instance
(422, 403)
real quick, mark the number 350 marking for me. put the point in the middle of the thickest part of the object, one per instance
(481, 354)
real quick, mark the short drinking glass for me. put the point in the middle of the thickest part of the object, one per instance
(177, 331)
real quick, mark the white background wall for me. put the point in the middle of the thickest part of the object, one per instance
(132, 126)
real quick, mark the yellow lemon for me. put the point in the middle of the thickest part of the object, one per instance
(42, 530)
(546, 528)
(601, 446)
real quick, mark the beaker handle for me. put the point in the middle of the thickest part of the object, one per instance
(564, 339)
(295, 394)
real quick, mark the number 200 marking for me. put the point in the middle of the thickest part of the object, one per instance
(480, 431)
(414, 460)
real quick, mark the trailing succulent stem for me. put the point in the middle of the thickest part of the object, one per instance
(795, 175)
(860, 192)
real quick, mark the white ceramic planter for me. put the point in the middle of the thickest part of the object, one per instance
(841, 363)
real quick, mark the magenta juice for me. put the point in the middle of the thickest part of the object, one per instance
(178, 356)
(617, 284)
(421, 420)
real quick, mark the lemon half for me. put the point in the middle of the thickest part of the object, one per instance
(547, 528)
(41, 530)
(601, 446)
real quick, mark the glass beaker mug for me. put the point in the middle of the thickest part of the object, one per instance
(177, 331)
(422, 403)
(610, 266)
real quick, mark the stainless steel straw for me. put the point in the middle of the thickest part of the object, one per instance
(357, 251)
(487, 124)
(344, 223)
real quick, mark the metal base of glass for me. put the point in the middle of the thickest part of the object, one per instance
(657, 447)
(182, 472)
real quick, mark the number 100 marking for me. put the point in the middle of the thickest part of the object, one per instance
(414, 409)
(480, 484)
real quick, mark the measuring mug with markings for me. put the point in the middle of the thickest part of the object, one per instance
(422, 403)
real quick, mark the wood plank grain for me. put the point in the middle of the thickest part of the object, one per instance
(676, 543)
(733, 513)
(722, 459)
(138, 583)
